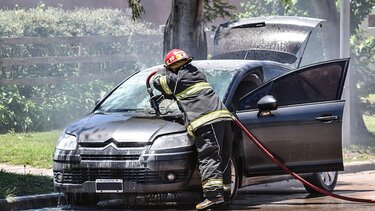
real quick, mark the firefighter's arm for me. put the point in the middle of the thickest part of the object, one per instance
(160, 83)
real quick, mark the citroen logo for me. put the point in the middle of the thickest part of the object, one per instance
(111, 148)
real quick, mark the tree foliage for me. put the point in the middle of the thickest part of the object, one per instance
(214, 9)
(137, 8)
(46, 107)
(257, 8)
(359, 10)
(363, 52)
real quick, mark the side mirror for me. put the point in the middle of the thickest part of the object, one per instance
(267, 103)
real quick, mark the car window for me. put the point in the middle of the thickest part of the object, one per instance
(250, 101)
(314, 84)
(219, 79)
(272, 72)
(314, 51)
(249, 82)
(132, 94)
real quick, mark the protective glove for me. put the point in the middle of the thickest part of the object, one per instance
(158, 98)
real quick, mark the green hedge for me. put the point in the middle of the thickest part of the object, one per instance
(46, 107)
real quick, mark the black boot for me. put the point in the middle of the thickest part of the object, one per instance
(227, 198)
(214, 203)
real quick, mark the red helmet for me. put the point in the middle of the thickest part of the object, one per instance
(175, 56)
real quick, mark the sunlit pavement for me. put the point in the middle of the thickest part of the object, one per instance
(291, 195)
(286, 195)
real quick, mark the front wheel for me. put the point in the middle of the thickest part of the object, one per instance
(235, 178)
(324, 180)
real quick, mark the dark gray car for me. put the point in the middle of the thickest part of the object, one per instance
(123, 148)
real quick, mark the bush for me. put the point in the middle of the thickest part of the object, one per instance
(15, 110)
(39, 107)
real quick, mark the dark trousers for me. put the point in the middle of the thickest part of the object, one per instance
(214, 147)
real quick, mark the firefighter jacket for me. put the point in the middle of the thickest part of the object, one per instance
(194, 95)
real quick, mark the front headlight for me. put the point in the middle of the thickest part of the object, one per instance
(66, 142)
(172, 141)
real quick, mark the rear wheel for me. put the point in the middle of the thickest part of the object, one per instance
(324, 180)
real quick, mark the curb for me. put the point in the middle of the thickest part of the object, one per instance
(51, 200)
(354, 167)
(29, 202)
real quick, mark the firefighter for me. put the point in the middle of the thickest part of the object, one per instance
(206, 119)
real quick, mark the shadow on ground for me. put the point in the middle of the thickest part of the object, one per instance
(12, 184)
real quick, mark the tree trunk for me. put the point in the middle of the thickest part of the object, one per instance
(327, 10)
(185, 30)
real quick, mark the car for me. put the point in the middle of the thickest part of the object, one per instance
(124, 148)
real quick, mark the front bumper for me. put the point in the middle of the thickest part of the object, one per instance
(150, 173)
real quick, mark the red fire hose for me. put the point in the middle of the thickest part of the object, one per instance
(265, 151)
(287, 170)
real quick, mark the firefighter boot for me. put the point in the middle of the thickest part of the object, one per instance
(214, 203)
(227, 198)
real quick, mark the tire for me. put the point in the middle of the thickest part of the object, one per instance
(324, 180)
(235, 179)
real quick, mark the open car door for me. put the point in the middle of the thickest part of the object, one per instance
(304, 131)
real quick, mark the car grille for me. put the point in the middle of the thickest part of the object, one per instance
(109, 157)
(117, 143)
(110, 153)
(79, 176)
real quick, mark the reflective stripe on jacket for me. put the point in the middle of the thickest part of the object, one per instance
(193, 89)
(207, 118)
(164, 85)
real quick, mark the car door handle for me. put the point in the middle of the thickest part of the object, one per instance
(329, 118)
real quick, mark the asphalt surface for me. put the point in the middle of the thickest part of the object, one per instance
(51, 200)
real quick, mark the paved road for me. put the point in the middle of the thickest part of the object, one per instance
(292, 196)
(287, 195)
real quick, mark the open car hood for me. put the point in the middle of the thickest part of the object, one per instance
(277, 38)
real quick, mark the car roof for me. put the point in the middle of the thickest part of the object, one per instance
(225, 64)
(230, 65)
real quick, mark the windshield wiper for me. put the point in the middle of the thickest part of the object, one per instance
(99, 112)
(125, 109)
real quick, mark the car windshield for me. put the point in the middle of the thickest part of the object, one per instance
(133, 96)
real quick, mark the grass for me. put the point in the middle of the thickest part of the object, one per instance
(370, 98)
(34, 149)
(358, 153)
(369, 122)
(20, 185)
